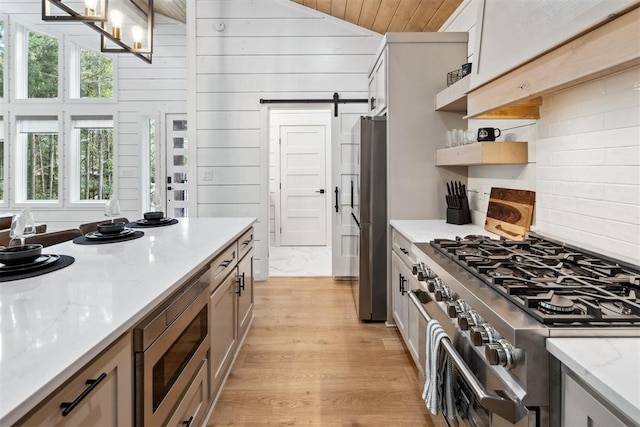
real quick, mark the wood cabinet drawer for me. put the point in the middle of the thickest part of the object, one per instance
(223, 264)
(245, 243)
(194, 404)
(101, 393)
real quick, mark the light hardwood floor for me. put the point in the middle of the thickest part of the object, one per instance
(308, 361)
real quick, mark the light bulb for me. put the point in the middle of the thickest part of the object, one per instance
(90, 7)
(137, 33)
(116, 23)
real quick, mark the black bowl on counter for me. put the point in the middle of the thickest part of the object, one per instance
(153, 216)
(23, 254)
(110, 227)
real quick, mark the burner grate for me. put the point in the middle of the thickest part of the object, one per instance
(554, 283)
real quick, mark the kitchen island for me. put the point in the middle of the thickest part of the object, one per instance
(54, 324)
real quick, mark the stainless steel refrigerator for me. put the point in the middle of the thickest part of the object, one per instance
(369, 212)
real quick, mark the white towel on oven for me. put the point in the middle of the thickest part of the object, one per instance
(438, 384)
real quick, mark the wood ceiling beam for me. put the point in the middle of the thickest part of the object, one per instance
(353, 11)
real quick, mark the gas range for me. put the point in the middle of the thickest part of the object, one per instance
(499, 300)
(556, 284)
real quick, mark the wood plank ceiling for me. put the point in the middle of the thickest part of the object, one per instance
(381, 16)
(386, 16)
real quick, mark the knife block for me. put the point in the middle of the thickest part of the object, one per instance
(460, 215)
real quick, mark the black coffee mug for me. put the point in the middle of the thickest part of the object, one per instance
(488, 134)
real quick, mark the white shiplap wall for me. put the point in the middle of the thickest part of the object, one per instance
(271, 49)
(143, 90)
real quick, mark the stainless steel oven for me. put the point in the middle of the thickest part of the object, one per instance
(169, 346)
(482, 398)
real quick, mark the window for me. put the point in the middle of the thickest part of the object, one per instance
(1, 159)
(37, 163)
(1, 64)
(92, 158)
(42, 66)
(96, 75)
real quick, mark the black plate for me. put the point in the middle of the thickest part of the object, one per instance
(41, 262)
(95, 235)
(159, 221)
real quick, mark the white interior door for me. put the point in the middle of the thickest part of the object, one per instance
(303, 192)
(177, 194)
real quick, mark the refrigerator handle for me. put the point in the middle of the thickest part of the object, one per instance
(355, 219)
(352, 194)
(337, 204)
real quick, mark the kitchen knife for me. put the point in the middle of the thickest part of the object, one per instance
(458, 188)
(464, 190)
(448, 189)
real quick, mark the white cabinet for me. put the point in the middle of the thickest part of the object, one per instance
(99, 395)
(581, 407)
(532, 27)
(398, 294)
(378, 86)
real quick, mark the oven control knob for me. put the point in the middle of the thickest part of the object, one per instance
(426, 273)
(469, 319)
(445, 294)
(483, 334)
(414, 269)
(454, 308)
(434, 284)
(500, 353)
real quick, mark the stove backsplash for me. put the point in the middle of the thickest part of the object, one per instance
(584, 156)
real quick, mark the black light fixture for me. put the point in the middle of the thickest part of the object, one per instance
(110, 21)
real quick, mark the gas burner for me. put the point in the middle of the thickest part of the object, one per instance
(468, 251)
(474, 237)
(500, 272)
(557, 304)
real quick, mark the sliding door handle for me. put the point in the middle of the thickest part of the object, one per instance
(337, 204)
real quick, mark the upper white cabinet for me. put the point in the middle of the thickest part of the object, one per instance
(510, 33)
(378, 86)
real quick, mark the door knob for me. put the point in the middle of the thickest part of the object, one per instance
(321, 191)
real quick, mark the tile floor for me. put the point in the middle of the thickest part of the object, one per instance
(299, 261)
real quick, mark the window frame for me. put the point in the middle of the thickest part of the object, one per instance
(21, 66)
(73, 76)
(5, 86)
(4, 200)
(19, 164)
(73, 160)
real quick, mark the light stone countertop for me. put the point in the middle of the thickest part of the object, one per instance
(423, 231)
(52, 325)
(610, 366)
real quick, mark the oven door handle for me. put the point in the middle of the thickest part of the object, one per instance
(509, 409)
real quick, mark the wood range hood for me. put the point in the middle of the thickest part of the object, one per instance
(608, 48)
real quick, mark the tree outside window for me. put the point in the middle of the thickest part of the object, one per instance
(96, 75)
(37, 160)
(42, 66)
(93, 161)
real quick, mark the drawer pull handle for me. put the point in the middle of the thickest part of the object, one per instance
(246, 242)
(70, 406)
(226, 263)
(188, 422)
(240, 287)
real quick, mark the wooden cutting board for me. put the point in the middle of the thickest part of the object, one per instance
(510, 212)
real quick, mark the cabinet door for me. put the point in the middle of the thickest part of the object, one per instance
(381, 84)
(372, 92)
(245, 294)
(400, 300)
(108, 401)
(413, 322)
(194, 404)
(222, 315)
(581, 408)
